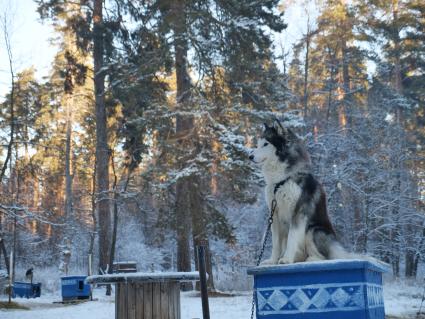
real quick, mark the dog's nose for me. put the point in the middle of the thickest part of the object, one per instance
(251, 157)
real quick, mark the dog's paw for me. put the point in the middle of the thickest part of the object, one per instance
(268, 262)
(285, 260)
(313, 258)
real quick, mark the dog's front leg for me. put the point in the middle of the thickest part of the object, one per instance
(276, 245)
(296, 240)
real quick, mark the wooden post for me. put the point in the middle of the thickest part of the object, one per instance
(89, 272)
(203, 281)
(11, 276)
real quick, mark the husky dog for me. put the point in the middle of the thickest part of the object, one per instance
(301, 229)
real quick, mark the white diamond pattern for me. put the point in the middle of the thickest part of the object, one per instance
(300, 300)
(277, 300)
(329, 297)
(340, 298)
(261, 301)
(321, 299)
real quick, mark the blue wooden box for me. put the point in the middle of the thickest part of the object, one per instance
(26, 289)
(74, 288)
(335, 289)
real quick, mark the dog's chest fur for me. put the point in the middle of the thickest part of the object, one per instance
(286, 196)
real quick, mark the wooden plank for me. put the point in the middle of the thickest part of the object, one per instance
(177, 300)
(164, 292)
(131, 301)
(170, 301)
(139, 301)
(117, 300)
(156, 299)
(147, 301)
(174, 300)
(123, 301)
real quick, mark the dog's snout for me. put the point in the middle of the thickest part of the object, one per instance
(251, 157)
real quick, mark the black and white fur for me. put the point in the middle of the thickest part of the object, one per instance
(301, 229)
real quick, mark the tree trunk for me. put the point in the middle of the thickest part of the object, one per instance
(331, 66)
(3, 248)
(183, 228)
(397, 80)
(93, 212)
(68, 187)
(184, 124)
(410, 264)
(12, 105)
(102, 149)
(15, 235)
(200, 236)
(12, 131)
(348, 100)
(68, 175)
(306, 68)
(6, 257)
(117, 200)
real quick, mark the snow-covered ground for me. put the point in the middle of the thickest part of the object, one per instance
(401, 301)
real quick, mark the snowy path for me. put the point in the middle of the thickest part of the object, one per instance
(401, 301)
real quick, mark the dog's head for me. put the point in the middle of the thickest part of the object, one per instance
(276, 142)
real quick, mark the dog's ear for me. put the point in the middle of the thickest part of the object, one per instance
(291, 135)
(282, 131)
(268, 131)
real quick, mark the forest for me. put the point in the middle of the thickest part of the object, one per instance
(135, 146)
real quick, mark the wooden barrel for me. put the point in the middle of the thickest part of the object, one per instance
(156, 300)
(146, 295)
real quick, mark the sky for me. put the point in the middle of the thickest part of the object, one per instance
(31, 39)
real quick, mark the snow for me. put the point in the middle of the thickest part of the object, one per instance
(401, 300)
(389, 118)
(144, 276)
(320, 265)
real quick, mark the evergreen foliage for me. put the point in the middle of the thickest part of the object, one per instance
(187, 86)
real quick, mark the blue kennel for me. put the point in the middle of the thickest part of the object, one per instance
(26, 290)
(349, 289)
(74, 288)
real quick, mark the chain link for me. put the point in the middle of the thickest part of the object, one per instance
(260, 256)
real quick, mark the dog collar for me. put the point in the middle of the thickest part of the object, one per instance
(281, 183)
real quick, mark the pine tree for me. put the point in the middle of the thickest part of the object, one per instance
(89, 27)
(398, 31)
(337, 69)
(211, 31)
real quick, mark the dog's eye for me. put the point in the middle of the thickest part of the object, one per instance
(265, 144)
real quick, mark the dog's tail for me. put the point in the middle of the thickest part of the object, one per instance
(337, 251)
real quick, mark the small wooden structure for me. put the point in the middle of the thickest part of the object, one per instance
(146, 295)
(124, 266)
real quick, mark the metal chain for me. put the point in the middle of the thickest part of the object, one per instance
(260, 256)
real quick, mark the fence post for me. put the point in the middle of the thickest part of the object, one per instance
(11, 275)
(203, 281)
(90, 273)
